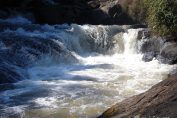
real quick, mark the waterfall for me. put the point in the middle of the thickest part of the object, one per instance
(130, 41)
(72, 71)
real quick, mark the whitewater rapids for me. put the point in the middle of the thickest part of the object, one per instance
(108, 69)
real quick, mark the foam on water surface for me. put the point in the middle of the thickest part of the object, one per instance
(87, 88)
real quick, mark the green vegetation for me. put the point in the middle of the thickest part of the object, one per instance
(160, 15)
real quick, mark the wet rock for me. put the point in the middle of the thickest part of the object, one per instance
(142, 34)
(164, 50)
(149, 56)
(136, 26)
(22, 48)
(159, 101)
(150, 47)
(109, 12)
(10, 73)
(18, 51)
(7, 86)
(168, 53)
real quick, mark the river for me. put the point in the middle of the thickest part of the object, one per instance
(100, 66)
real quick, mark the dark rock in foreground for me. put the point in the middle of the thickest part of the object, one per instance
(160, 101)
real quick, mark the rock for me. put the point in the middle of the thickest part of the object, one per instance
(160, 101)
(168, 53)
(94, 4)
(142, 34)
(68, 11)
(136, 26)
(150, 47)
(110, 12)
(164, 50)
(18, 52)
(149, 56)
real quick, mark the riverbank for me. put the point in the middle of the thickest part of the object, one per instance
(159, 101)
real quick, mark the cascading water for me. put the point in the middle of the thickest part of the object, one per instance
(108, 69)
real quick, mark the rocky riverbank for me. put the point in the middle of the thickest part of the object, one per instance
(162, 49)
(158, 102)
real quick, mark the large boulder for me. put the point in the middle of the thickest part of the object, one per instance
(22, 48)
(150, 48)
(158, 102)
(115, 13)
(168, 53)
(162, 49)
(151, 45)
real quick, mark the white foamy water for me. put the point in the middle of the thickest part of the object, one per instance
(87, 88)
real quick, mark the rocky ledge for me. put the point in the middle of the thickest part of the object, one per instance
(162, 49)
(158, 102)
(67, 11)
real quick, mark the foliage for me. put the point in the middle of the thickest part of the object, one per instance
(159, 15)
(162, 16)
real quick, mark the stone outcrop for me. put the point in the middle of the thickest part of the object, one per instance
(150, 48)
(158, 102)
(164, 50)
(168, 53)
(67, 11)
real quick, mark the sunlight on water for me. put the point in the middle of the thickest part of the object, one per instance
(87, 88)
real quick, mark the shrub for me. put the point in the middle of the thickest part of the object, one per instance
(162, 16)
(159, 15)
